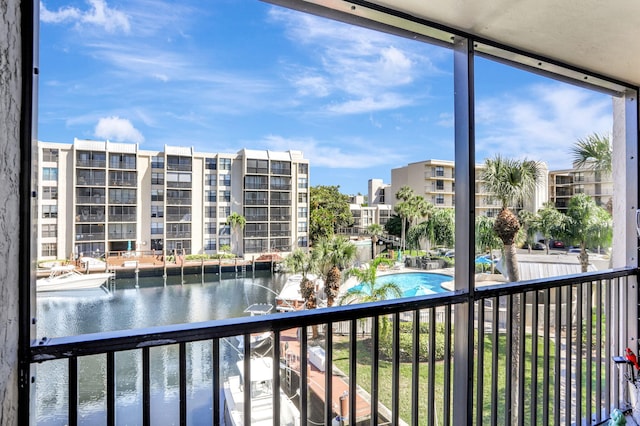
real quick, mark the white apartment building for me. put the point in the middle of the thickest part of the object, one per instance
(564, 184)
(100, 196)
(435, 181)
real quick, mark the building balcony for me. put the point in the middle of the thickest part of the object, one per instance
(542, 346)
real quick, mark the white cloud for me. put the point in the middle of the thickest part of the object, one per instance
(368, 70)
(118, 129)
(354, 154)
(99, 15)
(541, 122)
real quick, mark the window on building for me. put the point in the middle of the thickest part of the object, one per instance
(49, 250)
(157, 195)
(179, 163)
(157, 228)
(210, 244)
(224, 211)
(50, 155)
(211, 196)
(50, 193)
(49, 230)
(122, 161)
(225, 163)
(50, 173)
(257, 166)
(49, 211)
(210, 228)
(157, 162)
(157, 178)
(211, 163)
(157, 211)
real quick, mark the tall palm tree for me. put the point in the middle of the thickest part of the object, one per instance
(237, 222)
(403, 209)
(511, 182)
(335, 254)
(586, 224)
(376, 231)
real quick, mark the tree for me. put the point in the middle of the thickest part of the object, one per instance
(236, 222)
(334, 255)
(510, 181)
(438, 229)
(593, 152)
(486, 237)
(549, 222)
(376, 231)
(370, 290)
(586, 224)
(403, 209)
(329, 210)
(300, 261)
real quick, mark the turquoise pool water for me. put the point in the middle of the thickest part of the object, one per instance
(414, 283)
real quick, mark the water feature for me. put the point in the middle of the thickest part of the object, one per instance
(150, 303)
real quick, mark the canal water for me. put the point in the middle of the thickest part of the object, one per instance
(144, 302)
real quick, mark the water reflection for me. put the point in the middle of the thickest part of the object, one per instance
(129, 307)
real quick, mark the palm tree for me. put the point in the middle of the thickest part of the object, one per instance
(586, 224)
(335, 254)
(236, 221)
(300, 261)
(511, 182)
(376, 231)
(403, 209)
(370, 290)
(593, 152)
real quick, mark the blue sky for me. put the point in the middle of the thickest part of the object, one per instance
(230, 74)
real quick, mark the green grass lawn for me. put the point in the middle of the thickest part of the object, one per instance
(341, 360)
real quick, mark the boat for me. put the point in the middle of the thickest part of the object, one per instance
(261, 388)
(66, 278)
(290, 299)
(259, 341)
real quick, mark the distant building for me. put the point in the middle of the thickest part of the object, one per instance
(564, 184)
(435, 181)
(97, 197)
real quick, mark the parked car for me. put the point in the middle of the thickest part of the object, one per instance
(535, 246)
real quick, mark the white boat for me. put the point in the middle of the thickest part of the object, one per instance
(261, 388)
(66, 278)
(290, 298)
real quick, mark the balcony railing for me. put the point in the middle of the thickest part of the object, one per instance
(540, 351)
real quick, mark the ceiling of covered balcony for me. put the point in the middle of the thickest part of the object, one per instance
(599, 36)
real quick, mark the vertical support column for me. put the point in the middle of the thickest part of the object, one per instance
(464, 216)
(625, 208)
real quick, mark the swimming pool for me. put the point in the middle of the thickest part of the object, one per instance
(413, 283)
